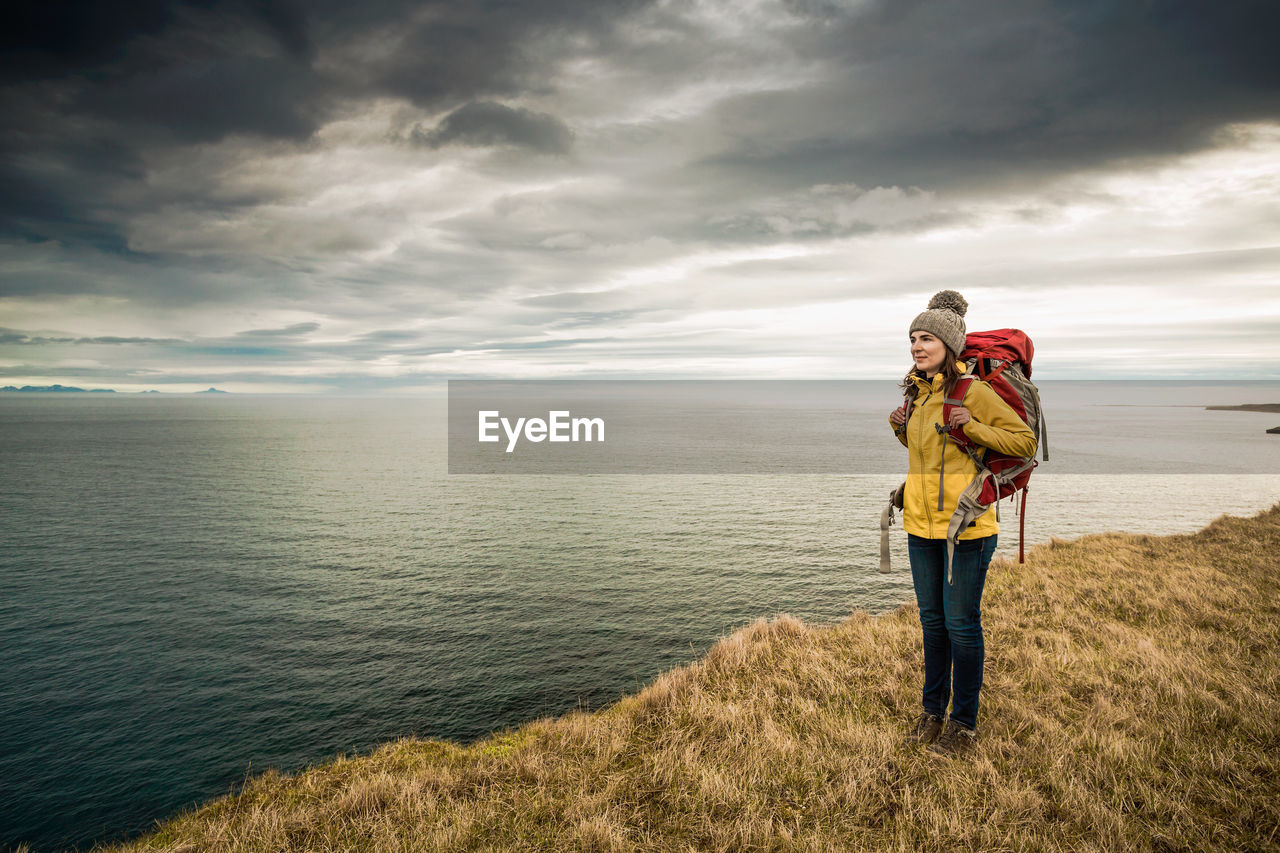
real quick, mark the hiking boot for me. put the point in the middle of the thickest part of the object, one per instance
(926, 728)
(955, 741)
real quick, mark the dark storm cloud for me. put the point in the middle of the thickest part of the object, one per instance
(57, 183)
(943, 94)
(58, 39)
(287, 21)
(205, 101)
(485, 123)
(88, 90)
(55, 39)
(924, 93)
(444, 53)
(186, 72)
(134, 79)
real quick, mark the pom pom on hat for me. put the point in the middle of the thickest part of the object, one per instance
(949, 300)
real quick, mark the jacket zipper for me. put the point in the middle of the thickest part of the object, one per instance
(920, 451)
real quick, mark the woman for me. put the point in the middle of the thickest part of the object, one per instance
(939, 470)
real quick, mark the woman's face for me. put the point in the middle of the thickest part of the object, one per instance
(928, 352)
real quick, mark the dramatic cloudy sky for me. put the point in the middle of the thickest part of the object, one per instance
(268, 195)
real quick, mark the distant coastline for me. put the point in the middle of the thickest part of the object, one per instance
(1265, 408)
(71, 389)
(57, 389)
(1273, 408)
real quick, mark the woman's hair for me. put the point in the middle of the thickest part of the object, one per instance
(950, 375)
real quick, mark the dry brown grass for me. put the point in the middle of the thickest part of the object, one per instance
(1132, 702)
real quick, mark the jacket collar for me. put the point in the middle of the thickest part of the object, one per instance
(926, 385)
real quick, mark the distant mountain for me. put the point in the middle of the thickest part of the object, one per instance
(71, 389)
(57, 389)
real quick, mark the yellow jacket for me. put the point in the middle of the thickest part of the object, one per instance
(992, 424)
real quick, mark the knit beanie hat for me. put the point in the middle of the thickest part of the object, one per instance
(944, 320)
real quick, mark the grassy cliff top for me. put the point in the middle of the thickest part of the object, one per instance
(1131, 702)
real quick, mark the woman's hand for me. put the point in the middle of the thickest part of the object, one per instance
(959, 417)
(899, 415)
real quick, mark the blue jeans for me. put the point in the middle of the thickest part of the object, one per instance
(951, 616)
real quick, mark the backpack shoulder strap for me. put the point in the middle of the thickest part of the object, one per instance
(956, 398)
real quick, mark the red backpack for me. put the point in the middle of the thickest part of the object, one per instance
(1001, 358)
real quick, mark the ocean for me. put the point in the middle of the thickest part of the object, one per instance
(194, 589)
